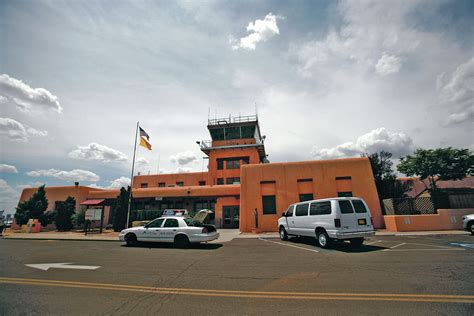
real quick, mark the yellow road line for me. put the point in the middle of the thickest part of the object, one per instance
(248, 294)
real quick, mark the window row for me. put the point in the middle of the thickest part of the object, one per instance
(232, 163)
(163, 184)
(234, 180)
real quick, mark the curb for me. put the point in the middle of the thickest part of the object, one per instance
(62, 239)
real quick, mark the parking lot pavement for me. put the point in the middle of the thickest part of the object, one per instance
(388, 275)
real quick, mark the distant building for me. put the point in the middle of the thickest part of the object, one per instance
(240, 182)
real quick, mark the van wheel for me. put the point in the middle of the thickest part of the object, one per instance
(357, 242)
(470, 226)
(130, 240)
(323, 240)
(283, 234)
(181, 241)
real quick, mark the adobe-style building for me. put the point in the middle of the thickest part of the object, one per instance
(241, 186)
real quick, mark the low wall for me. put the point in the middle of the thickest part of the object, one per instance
(446, 219)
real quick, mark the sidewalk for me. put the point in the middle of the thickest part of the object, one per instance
(225, 235)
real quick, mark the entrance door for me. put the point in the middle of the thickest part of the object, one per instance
(230, 216)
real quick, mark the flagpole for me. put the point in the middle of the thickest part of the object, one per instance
(131, 178)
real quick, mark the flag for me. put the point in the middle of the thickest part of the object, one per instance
(144, 143)
(144, 134)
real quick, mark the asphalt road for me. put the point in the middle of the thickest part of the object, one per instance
(390, 275)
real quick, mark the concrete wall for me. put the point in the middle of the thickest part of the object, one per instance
(281, 180)
(446, 219)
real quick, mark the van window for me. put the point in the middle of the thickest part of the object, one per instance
(359, 206)
(290, 210)
(320, 208)
(302, 209)
(346, 207)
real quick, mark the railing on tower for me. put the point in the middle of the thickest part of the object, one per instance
(230, 120)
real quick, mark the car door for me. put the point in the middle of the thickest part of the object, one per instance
(289, 219)
(169, 230)
(300, 218)
(348, 217)
(151, 231)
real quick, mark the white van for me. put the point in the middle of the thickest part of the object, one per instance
(346, 218)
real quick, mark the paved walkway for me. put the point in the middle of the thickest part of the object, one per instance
(225, 235)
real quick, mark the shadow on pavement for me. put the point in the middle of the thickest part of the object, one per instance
(162, 245)
(336, 245)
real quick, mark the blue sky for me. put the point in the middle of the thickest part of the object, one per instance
(330, 79)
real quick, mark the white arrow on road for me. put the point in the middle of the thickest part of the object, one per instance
(64, 265)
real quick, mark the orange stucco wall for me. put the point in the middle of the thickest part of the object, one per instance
(54, 194)
(284, 179)
(446, 219)
(191, 178)
(225, 173)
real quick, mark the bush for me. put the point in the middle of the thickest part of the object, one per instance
(79, 218)
(64, 214)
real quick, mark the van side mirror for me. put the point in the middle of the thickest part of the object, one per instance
(283, 214)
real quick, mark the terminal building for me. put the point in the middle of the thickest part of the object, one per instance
(241, 186)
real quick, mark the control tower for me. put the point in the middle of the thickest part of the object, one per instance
(235, 141)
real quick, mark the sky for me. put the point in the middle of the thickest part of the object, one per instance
(328, 79)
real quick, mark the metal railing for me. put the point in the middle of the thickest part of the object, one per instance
(230, 119)
(427, 205)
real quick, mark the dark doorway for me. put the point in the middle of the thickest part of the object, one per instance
(230, 216)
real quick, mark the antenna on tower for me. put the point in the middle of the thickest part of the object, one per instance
(256, 110)
(208, 113)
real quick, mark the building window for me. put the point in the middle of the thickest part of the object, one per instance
(269, 204)
(220, 181)
(304, 180)
(306, 197)
(233, 180)
(220, 164)
(144, 185)
(179, 184)
(161, 184)
(344, 194)
(201, 183)
(233, 163)
(344, 178)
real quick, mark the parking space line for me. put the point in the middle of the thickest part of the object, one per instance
(372, 242)
(403, 243)
(453, 249)
(280, 243)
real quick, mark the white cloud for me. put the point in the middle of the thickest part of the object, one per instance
(97, 152)
(370, 29)
(34, 132)
(4, 168)
(457, 91)
(36, 184)
(27, 98)
(8, 197)
(17, 131)
(73, 175)
(119, 182)
(142, 162)
(184, 158)
(387, 65)
(261, 30)
(374, 141)
(13, 130)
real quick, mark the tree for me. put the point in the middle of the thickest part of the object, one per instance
(388, 186)
(34, 207)
(79, 218)
(438, 164)
(64, 212)
(121, 208)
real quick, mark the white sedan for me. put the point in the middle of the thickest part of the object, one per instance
(181, 230)
(468, 223)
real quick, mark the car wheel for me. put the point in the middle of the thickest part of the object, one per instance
(181, 241)
(131, 240)
(357, 242)
(471, 227)
(323, 240)
(283, 234)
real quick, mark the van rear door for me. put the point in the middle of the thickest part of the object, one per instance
(362, 214)
(348, 217)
